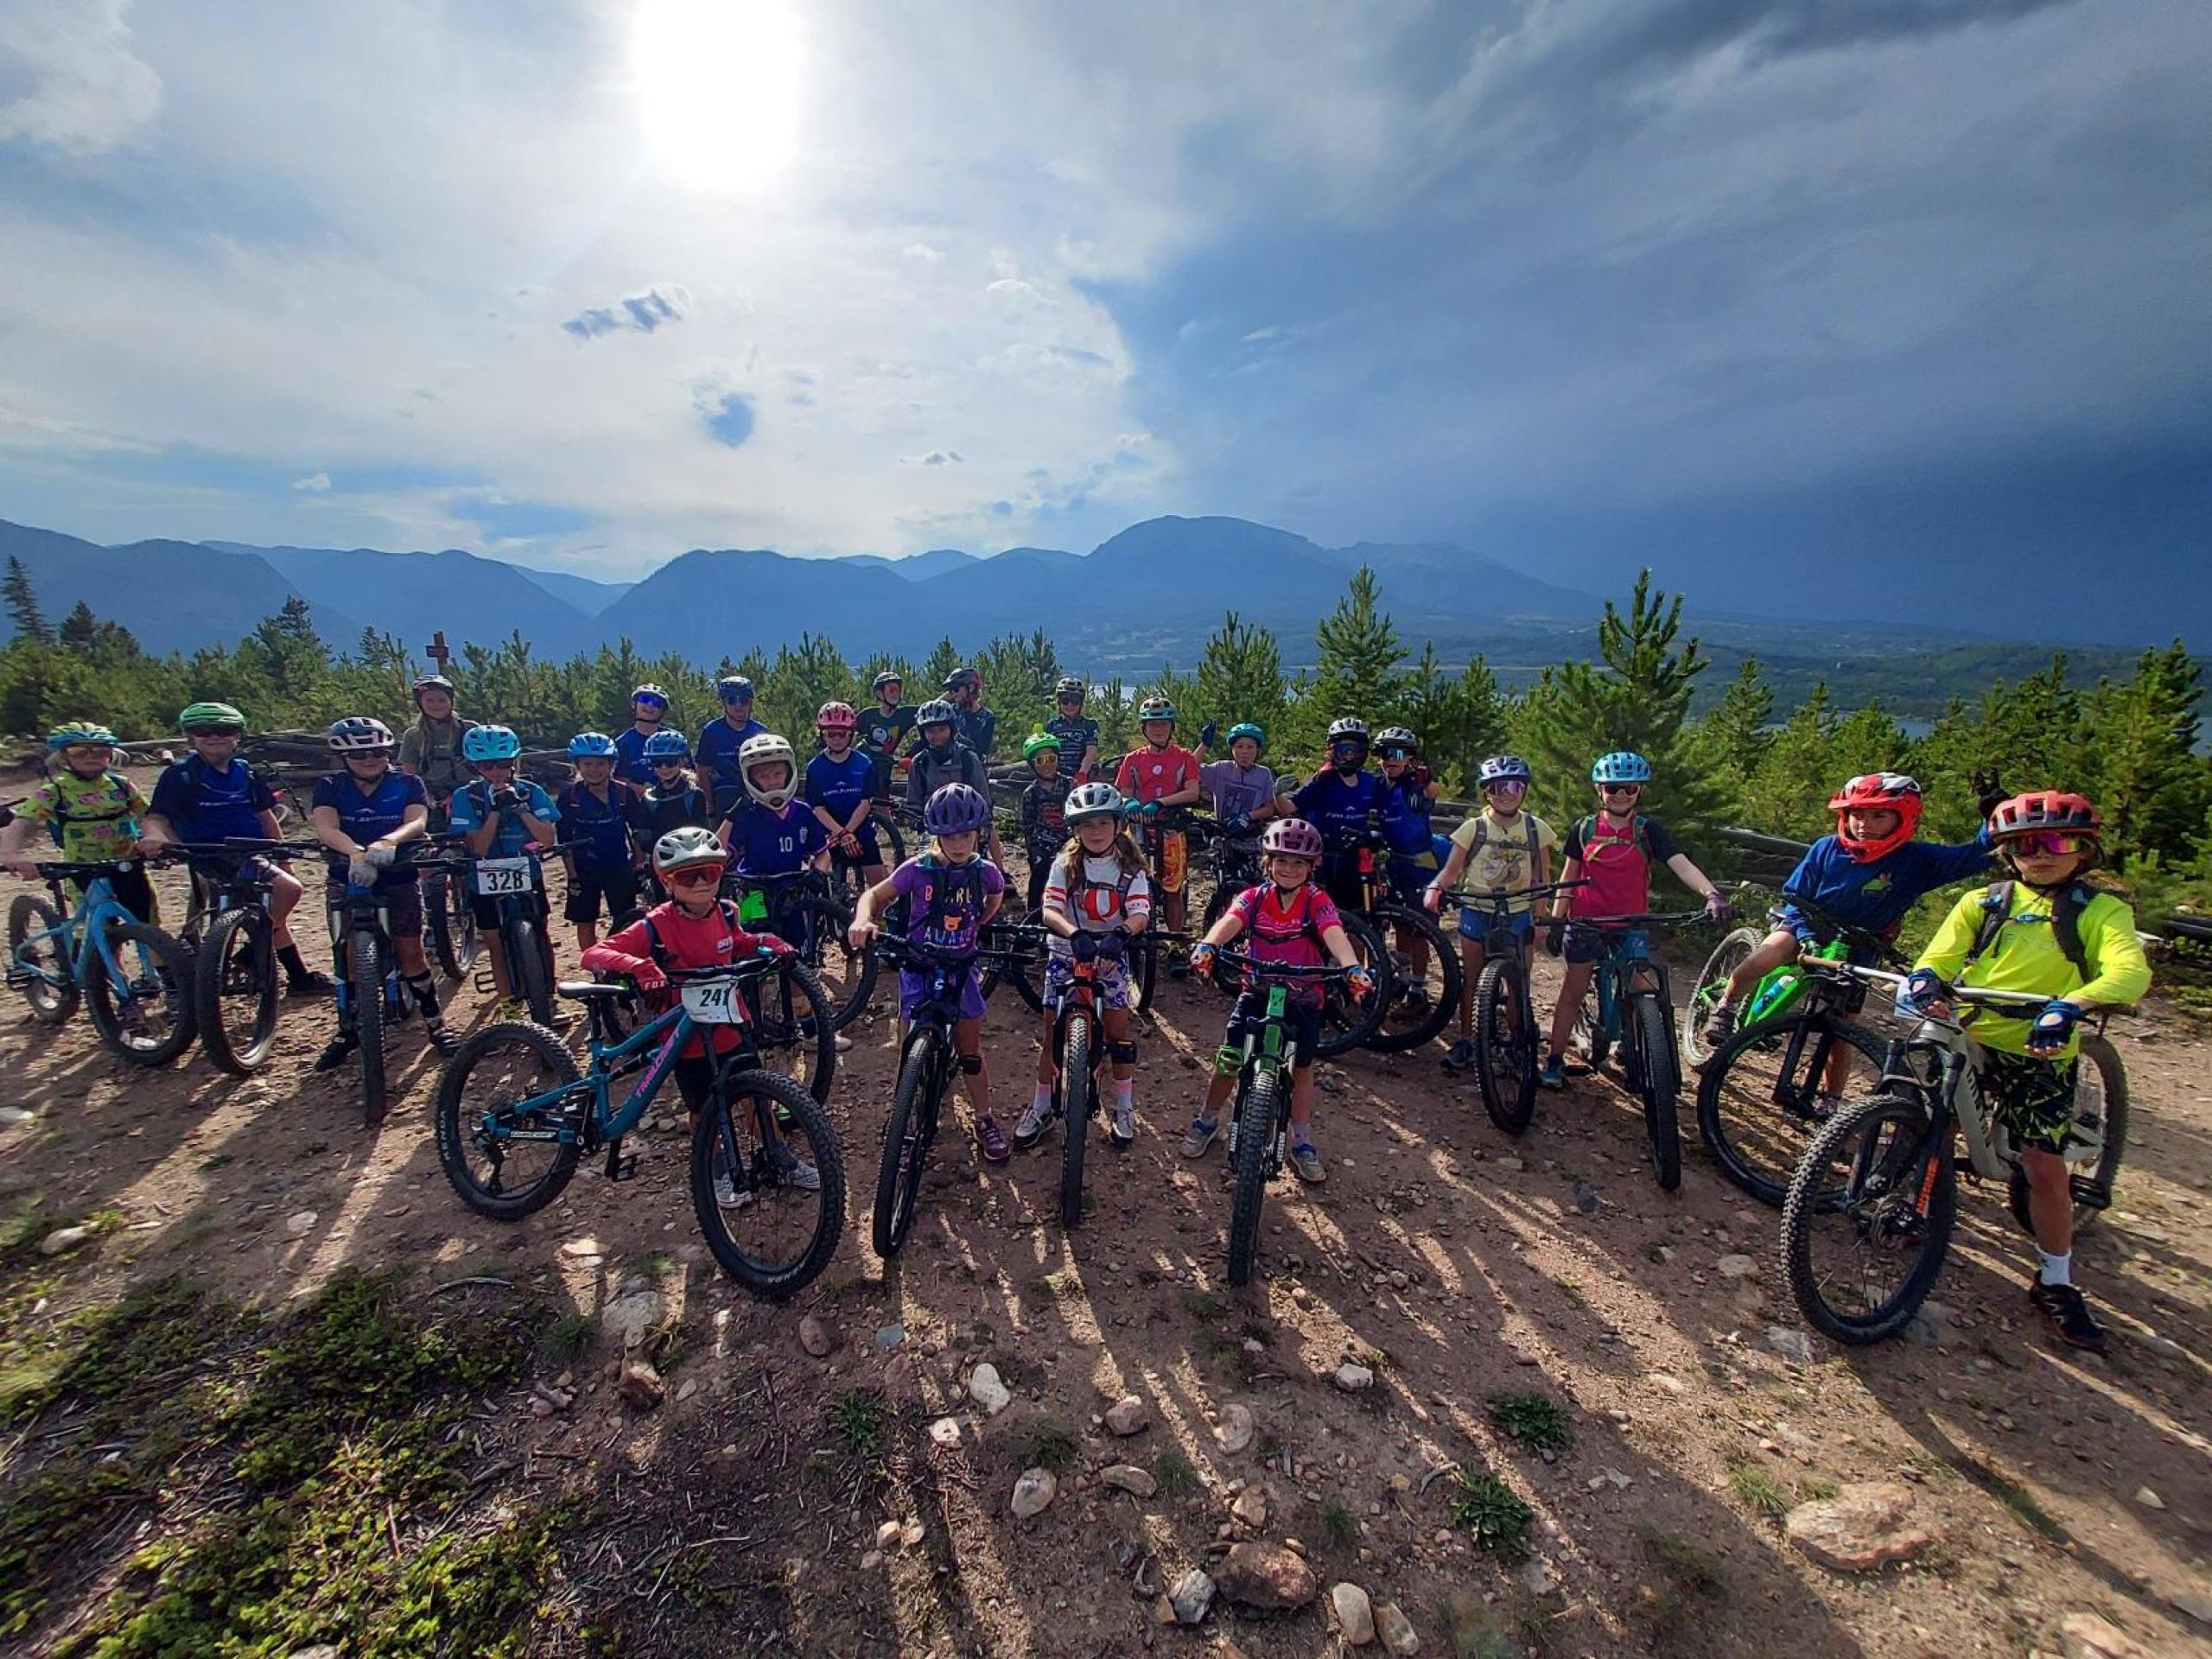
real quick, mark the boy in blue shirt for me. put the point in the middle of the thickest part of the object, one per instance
(769, 833)
(648, 708)
(721, 738)
(841, 792)
(1339, 801)
(502, 815)
(598, 808)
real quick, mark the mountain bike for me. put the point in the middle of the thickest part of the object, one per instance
(1079, 1051)
(237, 991)
(803, 909)
(1012, 951)
(370, 992)
(515, 1117)
(1506, 1036)
(1347, 1021)
(1259, 1112)
(134, 979)
(785, 1011)
(1234, 866)
(1870, 1212)
(1151, 836)
(448, 919)
(516, 884)
(926, 1065)
(1431, 997)
(1629, 1004)
(1758, 1094)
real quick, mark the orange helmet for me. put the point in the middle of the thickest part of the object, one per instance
(1876, 791)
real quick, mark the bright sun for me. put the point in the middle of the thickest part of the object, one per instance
(718, 87)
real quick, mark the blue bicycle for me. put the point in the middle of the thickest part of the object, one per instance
(134, 979)
(515, 1117)
(1630, 1005)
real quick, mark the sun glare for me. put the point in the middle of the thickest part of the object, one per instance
(718, 88)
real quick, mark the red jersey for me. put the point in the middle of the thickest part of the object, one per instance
(715, 940)
(1150, 774)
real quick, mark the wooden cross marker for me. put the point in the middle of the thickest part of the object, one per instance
(437, 651)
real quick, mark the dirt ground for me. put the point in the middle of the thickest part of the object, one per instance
(1457, 1266)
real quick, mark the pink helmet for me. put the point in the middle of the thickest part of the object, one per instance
(1293, 836)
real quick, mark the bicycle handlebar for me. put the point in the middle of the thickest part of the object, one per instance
(1668, 917)
(1234, 957)
(1850, 932)
(85, 869)
(1492, 898)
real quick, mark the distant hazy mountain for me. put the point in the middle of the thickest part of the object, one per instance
(918, 567)
(587, 596)
(710, 604)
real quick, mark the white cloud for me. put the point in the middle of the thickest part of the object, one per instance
(316, 481)
(86, 90)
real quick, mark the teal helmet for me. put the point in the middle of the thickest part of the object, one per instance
(482, 743)
(1246, 728)
(78, 731)
(1621, 767)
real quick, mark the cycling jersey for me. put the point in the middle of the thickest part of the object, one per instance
(669, 936)
(837, 787)
(1150, 774)
(94, 820)
(433, 753)
(473, 809)
(1407, 827)
(1102, 897)
(653, 813)
(926, 774)
(1616, 860)
(603, 825)
(2025, 956)
(945, 902)
(370, 815)
(630, 755)
(204, 804)
(773, 843)
(1075, 735)
(1045, 818)
(1287, 930)
(1501, 853)
(977, 728)
(1875, 895)
(716, 751)
(1237, 789)
(882, 730)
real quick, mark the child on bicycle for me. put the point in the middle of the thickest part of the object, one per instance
(771, 832)
(952, 892)
(695, 927)
(1293, 921)
(597, 806)
(672, 801)
(1613, 849)
(884, 729)
(1095, 895)
(1869, 874)
(212, 796)
(1043, 811)
(91, 809)
(841, 792)
(1160, 775)
(648, 708)
(373, 816)
(2048, 932)
(1502, 849)
(498, 814)
(1243, 792)
(1343, 800)
(1409, 793)
(940, 758)
(1077, 731)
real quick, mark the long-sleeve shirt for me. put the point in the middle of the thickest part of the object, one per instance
(1876, 896)
(715, 940)
(2025, 956)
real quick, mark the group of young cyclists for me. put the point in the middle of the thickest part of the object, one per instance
(653, 826)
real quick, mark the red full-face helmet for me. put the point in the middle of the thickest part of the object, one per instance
(1876, 791)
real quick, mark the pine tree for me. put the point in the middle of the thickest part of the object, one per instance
(942, 659)
(22, 605)
(1734, 737)
(2145, 775)
(1019, 672)
(1357, 672)
(81, 629)
(294, 659)
(791, 693)
(1240, 678)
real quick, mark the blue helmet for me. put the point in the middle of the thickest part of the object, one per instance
(734, 688)
(591, 746)
(482, 743)
(1247, 728)
(1621, 767)
(1505, 769)
(667, 746)
(955, 809)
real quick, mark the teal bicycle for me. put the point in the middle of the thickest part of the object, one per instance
(1628, 1006)
(134, 979)
(515, 1117)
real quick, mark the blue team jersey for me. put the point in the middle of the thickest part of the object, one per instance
(1339, 806)
(630, 756)
(603, 826)
(1406, 820)
(373, 815)
(472, 809)
(1876, 896)
(837, 787)
(716, 751)
(204, 804)
(773, 843)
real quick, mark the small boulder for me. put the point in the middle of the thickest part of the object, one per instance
(1251, 1507)
(1190, 1598)
(2149, 1499)
(1128, 1415)
(1397, 1630)
(987, 1391)
(576, 1248)
(814, 1336)
(1235, 1429)
(1355, 1614)
(2085, 1635)
(1033, 1491)
(1266, 1577)
(945, 1432)
(1791, 1342)
(642, 1388)
(629, 1320)
(890, 1335)
(1738, 1265)
(63, 1238)
(1127, 1478)
(1865, 1526)
(1353, 1378)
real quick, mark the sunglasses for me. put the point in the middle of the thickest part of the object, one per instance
(668, 765)
(212, 731)
(1395, 754)
(702, 877)
(649, 703)
(495, 766)
(738, 702)
(2046, 843)
(1622, 789)
(1510, 786)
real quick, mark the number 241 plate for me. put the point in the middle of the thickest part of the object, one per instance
(497, 878)
(714, 1003)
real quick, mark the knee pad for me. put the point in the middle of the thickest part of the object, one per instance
(1229, 1059)
(971, 1065)
(1123, 1053)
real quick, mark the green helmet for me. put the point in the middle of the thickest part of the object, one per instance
(78, 731)
(1036, 743)
(221, 715)
(1153, 709)
(1246, 728)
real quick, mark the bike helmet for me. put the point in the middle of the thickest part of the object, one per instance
(1294, 837)
(837, 717)
(591, 746)
(1093, 801)
(1504, 769)
(1153, 709)
(889, 676)
(759, 750)
(649, 693)
(1068, 686)
(1349, 725)
(1396, 737)
(687, 847)
(734, 688)
(936, 712)
(955, 810)
(362, 734)
(666, 746)
(1621, 767)
(80, 731)
(1036, 743)
(961, 679)
(1247, 728)
(219, 715)
(2047, 809)
(1879, 791)
(481, 743)
(432, 683)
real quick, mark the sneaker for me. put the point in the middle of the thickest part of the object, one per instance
(1826, 1104)
(992, 1139)
(794, 1169)
(1414, 999)
(727, 1197)
(1460, 1055)
(1553, 1076)
(1198, 1137)
(842, 1043)
(1179, 965)
(440, 1036)
(310, 983)
(1719, 1025)
(336, 1053)
(1123, 1126)
(1306, 1164)
(1034, 1122)
(2068, 1314)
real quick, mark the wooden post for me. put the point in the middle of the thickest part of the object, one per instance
(437, 651)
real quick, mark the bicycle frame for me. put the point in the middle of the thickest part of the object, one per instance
(82, 943)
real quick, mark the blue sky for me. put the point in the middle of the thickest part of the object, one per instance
(1581, 284)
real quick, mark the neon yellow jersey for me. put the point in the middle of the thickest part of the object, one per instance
(2025, 956)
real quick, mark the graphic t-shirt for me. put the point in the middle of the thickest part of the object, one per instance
(1287, 929)
(1241, 789)
(1339, 806)
(1150, 774)
(1616, 860)
(838, 786)
(204, 804)
(1499, 855)
(882, 730)
(1075, 733)
(945, 902)
(372, 814)
(773, 843)
(1044, 815)
(603, 826)
(1105, 898)
(94, 820)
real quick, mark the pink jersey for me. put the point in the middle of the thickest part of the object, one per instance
(1150, 774)
(1288, 930)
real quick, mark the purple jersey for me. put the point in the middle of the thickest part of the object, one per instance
(946, 902)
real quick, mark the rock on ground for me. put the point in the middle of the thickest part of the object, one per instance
(1265, 1576)
(1127, 1478)
(1128, 1415)
(63, 1238)
(1355, 1615)
(2085, 1635)
(1235, 1429)
(1353, 1378)
(1397, 1630)
(641, 1386)
(628, 1320)
(1191, 1596)
(1866, 1525)
(814, 1336)
(987, 1391)
(1036, 1487)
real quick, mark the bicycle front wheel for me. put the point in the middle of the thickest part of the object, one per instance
(38, 959)
(907, 1140)
(235, 996)
(450, 921)
(365, 990)
(1711, 984)
(510, 1113)
(140, 994)
(771, 1141)
(1756, 1098)
(1346, 1022)
(1423, 1002)
(1505, 1046)
(1661, 1084)
(1076, 1058)
(1256, 1112)
(795, 1022)
(847, 976)
(529, 961)
(1867, 1220)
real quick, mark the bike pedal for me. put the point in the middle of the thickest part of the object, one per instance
(620, 1166)
(2090, 1192)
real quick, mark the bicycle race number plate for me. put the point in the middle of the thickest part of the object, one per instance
(498, 877)
(714, 1003)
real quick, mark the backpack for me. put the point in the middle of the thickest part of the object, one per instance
(1306, 928)
(1482, 836)
(63, 818)
(2065, 922)
(969, 876)
(1639, 833)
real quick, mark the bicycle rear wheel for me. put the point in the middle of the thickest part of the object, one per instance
(1257, 1109)
(1712, 982)
(794, 1022)
(1144, 971)
(146, 1016)
(906, 1139)
(38, 959)
(1755, 1097)
(509, 1116)
(1436, 991)
(1868, 1218)
(1077, 1093)
(365, 988)
(770, 1136)
(846, 977)
(530, 968)
(1346, 1022)
(1505, 1046)
(1662, 1085)
(235, 994)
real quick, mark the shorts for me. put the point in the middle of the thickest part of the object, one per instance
(1475, 925)
(1586, 944)
(487, 910)
(401, 902)
(1110, 982)
(131, 890)
(618, 887)
(1303, 1019)
(2034, 1098)
(914, 989)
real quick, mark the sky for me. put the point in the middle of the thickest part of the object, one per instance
(1880, 285)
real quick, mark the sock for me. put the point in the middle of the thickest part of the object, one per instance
(1042, 1100)
(2056, 1270)
(426, 994)
(1125, 1094)
(293, 967)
